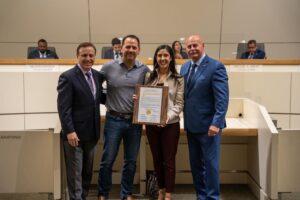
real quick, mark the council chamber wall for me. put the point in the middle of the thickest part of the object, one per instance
(222, 23)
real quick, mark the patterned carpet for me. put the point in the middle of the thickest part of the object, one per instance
(186, 192)
(182, 192)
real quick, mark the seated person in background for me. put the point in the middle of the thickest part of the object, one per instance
(253, 52)
(42, 51)
(115, 51)
(178, 51)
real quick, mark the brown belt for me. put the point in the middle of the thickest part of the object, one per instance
(121, 115)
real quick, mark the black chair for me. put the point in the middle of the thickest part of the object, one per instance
(242, 47)
(30, 49)
(103, 50)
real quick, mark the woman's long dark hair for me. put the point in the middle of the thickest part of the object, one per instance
(173, 46)
(172, 65)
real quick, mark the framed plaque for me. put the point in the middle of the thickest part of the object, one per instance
(151, 106)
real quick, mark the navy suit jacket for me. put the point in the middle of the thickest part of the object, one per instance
(36, 55)
(206, 98)
(259, 54)
(78, 110)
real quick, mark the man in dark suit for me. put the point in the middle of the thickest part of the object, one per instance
(42, 51)
(253, 52)
(115, 51)
(79, 96)
(205, 107)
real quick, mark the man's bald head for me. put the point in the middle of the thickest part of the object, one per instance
(195, 47)
(194, 38)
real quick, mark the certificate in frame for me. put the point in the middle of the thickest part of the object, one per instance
(151, 106)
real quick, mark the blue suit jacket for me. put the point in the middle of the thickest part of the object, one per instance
(259, 54)
(206, 99)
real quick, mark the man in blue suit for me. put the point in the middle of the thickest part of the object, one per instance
(206, 102)
(253, 52)
(115, 51)
(42, 51)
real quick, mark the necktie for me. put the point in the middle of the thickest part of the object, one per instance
(117, 56)
(192, 73)
(90, 82)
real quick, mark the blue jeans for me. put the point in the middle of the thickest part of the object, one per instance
(204, 154)
(115, 130)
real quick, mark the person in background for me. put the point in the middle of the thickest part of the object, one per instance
(253, 52)
(163, 139)
(178, 50)
(115, 51)
(42, 51)
(206, 100)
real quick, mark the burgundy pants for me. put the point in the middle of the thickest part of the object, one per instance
(163, 143)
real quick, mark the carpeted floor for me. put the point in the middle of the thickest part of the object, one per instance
(182, 192)
(186, 192)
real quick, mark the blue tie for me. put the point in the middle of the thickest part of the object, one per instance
(192, 73)
(90, 82)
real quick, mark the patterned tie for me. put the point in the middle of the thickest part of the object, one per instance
(192, 73)
(90, 82)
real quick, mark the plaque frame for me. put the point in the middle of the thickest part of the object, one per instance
(164, 105)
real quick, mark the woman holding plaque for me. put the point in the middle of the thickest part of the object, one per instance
(163, 139)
